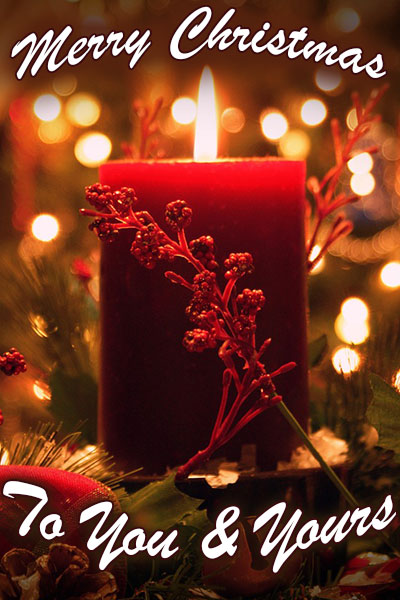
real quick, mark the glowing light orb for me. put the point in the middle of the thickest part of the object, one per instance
(233, 120)
(361, 163)
(274, 125)
(347, 19)
(346, 360)
(396, 380)
(91, 149)
(42, 391)
(184, 110)
(351, 119)
(295, 144)
(313, 112)
(64, 85)
(327, 80)
(54, 132)
(362, 184)
(351, 332)
(47, 107)
(83, 110)
(354, 309)
(390, 274)
(45, 228)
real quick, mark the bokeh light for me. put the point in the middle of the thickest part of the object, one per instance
(347, 19)
(42, 391)
(327, 80)
(54, 132)
(83, 110)
(362, 184)
(354, 309)
(346, 360)
(351, 119)
(295, 144)
(351, 332)
(396, 381)
(318, 267)
(274, 125)
(64, 85)
(184, 110)
(313, 112)
(47, 107)
(361, 163)
(91, 149)
(45, 228)
(390, 274)
(233, 120)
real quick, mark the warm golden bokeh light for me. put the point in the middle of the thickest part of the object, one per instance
(54, 132)
(313, 112)
(354, 309)
(274, 125)
(64, 85)
(319, 266)
(91, 149)
(184, 110)
(45, 228)
(83, 110)
(295, 144)
(206, 134)
(327, 80)
(233, 120)
(396, 381)
(362, 184)
(351, 332)
(42, 391)
(346, 360)
(351, 119)
(390, 274)
(47, 107)
(361, 163)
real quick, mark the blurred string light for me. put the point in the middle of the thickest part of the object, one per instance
(318, 267)
(47, 107)
(184, 110)
(396, 380)
(274, 125)
(346, 19)
(351, 325)
(45, 228)
(361, 163)
(83, 110)
(295, 144)
(54, 132)
(313, 112)
(233, 119)
(362, 184)
(91, 149)
(351, 119)
(42, 391)
(64, 85)
(346, 360)
(328, 80)
(390, 274)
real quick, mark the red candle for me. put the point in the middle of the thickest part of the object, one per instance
(157, 401)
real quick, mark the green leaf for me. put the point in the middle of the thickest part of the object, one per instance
(160, 505)
(73, 400)
(316, 350)
(384, 414)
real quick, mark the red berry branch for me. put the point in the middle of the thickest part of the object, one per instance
(323, 191)
(222, 318)
(148, 128)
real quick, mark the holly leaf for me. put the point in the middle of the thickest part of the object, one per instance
(73, 401)
(384, 414)
(316, 350)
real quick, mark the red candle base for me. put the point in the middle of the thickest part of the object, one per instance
(157, 401)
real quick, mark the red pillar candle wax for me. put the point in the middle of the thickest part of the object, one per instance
(157, 401)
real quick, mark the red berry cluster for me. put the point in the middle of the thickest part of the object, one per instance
(198, 340)
(203, 249)
(106, 231)
(238, 264)
(104, 199)
(12, 362)
(250, 301)
(149, 246)
(178, 214)
(98, 195)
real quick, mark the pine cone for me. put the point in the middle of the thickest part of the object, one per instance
(62, 574)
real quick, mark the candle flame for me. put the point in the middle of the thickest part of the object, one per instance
(206, 137)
